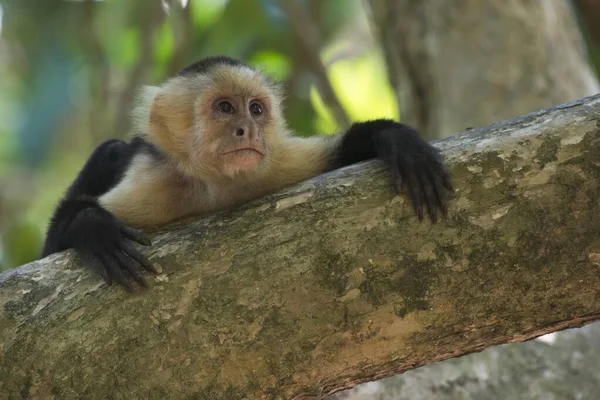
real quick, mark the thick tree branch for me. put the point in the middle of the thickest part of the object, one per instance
(330, 283)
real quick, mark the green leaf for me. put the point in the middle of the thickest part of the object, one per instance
(369, 96)
(272, 63)
(206, 12)
(22, 243)
(164, 43)
(125, 51)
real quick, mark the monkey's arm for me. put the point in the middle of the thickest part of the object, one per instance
(79, 222)
(414, 164)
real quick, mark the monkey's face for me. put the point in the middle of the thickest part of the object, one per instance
(237, 114)
(235, 132)
(218, 125)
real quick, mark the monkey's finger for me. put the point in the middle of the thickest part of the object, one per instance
(92, 261)
(427, 192)
(137, 256)
(135, 235)
(129, 266)
(415, 194)
(115, 269)
(447, 180)
(440, 193)
(396, 177)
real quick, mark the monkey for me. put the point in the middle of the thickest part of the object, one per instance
(210, 138)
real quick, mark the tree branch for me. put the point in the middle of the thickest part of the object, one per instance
(183, 31)
(91, 47)
(307, 36)
(149, 24)
(590, 12)
(329, 283)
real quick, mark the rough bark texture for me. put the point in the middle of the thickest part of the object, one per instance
(461, 63)
(330, 283)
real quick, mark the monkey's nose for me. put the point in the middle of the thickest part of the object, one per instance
(240, 132)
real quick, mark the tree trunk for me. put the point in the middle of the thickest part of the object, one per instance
(461, 63)
(590, 13)
(329, 283)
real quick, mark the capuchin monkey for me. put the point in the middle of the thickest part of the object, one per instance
(211, 138)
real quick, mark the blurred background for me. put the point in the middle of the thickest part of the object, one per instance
(70, 70)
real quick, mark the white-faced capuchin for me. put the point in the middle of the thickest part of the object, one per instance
(210, 138)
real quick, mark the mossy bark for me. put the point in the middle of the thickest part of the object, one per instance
(329, 283)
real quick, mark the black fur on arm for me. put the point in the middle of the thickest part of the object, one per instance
(414, 164)
(79, 222)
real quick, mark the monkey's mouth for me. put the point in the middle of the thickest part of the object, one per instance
(243, 158)
(245, 150)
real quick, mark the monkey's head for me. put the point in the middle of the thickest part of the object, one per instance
(218, 118)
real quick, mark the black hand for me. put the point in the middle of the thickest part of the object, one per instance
(417, 166)
(103, 243)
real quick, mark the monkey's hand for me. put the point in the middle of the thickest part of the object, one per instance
(414, 165)
(103, 243)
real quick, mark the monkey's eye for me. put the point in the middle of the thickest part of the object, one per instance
(225, 107)
(255, 109)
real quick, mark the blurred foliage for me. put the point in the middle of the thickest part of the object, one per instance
(71, 70)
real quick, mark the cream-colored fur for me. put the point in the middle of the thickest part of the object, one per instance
(154, 192)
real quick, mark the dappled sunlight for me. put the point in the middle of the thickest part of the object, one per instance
(362, 87)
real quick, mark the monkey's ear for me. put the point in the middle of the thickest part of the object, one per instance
(170, 124)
